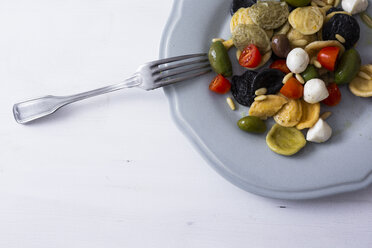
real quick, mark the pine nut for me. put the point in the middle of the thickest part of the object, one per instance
(287, 77)
(330, 15)
(340, 38)
(231, 103)
(300, 42)
(217, 39)
(366, 19)
(326, 115)
(238, 53)
(300, 78)
(317, 64)
(312, 60)
(228, 44)
(260, 91)
(329, 2)
(260, 98)
(364, 75)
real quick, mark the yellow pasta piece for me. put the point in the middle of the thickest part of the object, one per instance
(307, 20)
(267, 107)
(285, 140)
(360, 86)
(290, 115)
(294, 36)
(240, 17)
(310, 115)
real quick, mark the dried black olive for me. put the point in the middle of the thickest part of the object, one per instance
(344, 25)
(280, 45)
(333, 9)
(242, 88)
(237, 4)
(271, 79)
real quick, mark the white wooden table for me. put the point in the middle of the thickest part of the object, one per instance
(114, 171)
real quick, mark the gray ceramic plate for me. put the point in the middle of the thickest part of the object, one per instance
(342, 164)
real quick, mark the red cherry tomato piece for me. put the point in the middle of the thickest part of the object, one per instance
(281, 65)
(327, 57)
(292, 89)
(334, 97)
(220, 85)
(250, 57)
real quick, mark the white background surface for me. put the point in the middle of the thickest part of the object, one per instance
(114, 171)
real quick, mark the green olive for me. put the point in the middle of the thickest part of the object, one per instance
(285, 140)
(310, 73)
(298, 3)
(219, 59)
(252, 124)
(349, 67)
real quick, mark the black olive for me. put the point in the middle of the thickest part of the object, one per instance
(271, 79)
(280, 45)
(333, 9)
(242, 88)
(344, 25)
(237, 4)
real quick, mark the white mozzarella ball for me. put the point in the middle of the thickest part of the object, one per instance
(320, 132)
(354, 6)
(315, 91)
(297, 60)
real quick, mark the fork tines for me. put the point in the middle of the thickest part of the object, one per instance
(176, 69)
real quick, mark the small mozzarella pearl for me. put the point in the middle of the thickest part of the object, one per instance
(320, 132)
(354, 6)
(315, 91)
(297, 60)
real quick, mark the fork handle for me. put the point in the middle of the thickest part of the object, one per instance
(30, 110)
(127, 83)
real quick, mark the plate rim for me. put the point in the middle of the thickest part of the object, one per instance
(170, 92)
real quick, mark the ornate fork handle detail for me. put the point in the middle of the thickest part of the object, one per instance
(33, 109)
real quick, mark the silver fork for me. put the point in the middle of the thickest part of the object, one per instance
(148, 76)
